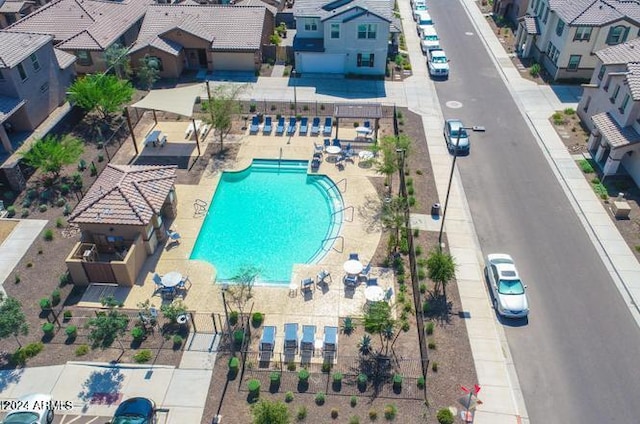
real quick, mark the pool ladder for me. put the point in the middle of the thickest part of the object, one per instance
(346, 208)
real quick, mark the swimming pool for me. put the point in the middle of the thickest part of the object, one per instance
(270, 216)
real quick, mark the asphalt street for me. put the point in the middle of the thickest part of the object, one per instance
(576, 356)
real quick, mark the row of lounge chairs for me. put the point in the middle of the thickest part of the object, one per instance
(292, 126)
(293, 344)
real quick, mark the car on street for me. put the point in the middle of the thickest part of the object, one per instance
(508, 292)
(429, 38)
(418, 6)
(438, 63)
(422, 18)
(136, 410)
(31, 409)
(456, 136)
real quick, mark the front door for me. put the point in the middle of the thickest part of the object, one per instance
(202, 58)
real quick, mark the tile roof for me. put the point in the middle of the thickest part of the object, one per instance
(531, 24)
(84, 24)
(358, 110)
(595, 12)
(327, 9)
(633, 79)
(64, 59)
(16, 47)
(125, 195)
(225, 27)
(8, 105)
(613, 132)
(620, 53)
(14, 6)
(269, 7)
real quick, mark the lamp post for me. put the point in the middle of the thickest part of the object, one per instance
(295, 94)
(401, 185)
(453, 166)
(225, 287)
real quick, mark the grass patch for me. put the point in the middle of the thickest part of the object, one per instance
(586, 166)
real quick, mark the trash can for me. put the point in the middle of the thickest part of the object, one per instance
(435, 209)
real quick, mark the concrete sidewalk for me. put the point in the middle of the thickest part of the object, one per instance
(17, 243)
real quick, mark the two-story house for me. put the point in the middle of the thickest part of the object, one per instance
(12, 11)
(563, 36)
(610, 108)
(34, 77)
(87, 28)
(343, 36)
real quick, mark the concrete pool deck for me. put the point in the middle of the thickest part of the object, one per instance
(361, 231)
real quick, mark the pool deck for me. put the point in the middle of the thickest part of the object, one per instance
(319, 307)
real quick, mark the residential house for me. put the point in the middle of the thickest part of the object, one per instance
(34, 77)
(13, 10)
(86, 28)
(563, 36)
(610, 108)
(344, 36)
(510, 10)
(208, 37)
(122, 219)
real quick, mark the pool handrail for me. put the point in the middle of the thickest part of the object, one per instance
(344, 209)
(338, 237)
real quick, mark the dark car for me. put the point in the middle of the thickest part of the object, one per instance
(137, 410)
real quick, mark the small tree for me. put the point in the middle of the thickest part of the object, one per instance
(148, 72)
(107, 326)
(51, 153)
(378, 319)
(116, 58)
(173, 310)
(388, 163)
(103, 93)
(240, 291)
(222, 105)
(266, 412)
(275, 39)
(392, 217)
(12, 319)
(442, 269)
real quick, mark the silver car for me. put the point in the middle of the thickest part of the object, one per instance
(456, 136)
(31, 409)
(508, 292)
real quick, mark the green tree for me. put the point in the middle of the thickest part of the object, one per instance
(266, 412)
(441, 269)
(108, 325)
(173, 310)
(392, 217)
(106, 94)
(12, 319)
(222, 105)
(148, 72)
(275, 39)
(240, 292)
(378, 319)
(117, 58)
(51, 153)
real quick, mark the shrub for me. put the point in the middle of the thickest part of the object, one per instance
(320, 398)
(337, 377)
(354, 419)
(429, 328)
(404, 325)
(303, 375)
(422, 274)
(45, 303)
(100, 157)
(29, 264)
(535, 69)
(420, 382)
(348, 326)
(67, 210)
(353, 401)
(256, 319)
(137, 333)
(302, 413)
(64, 279)
(60, 202)
(423, 288)
(426, 307)
(274, 377)
(390, 411)
(445, 416)
(93, 170)
(71, 331)
(42, 208)
(238, 337)
(24, 213)
(55, 297)
(32, 349)
(334, 413)
(19, 357)
(288, 397)
(291, 366)
(373, 414)
(11, 211)
(558, 118)
(254, 386)
(143, 356)
(177, 340)
(326, 366)
(432, 345)
(412, 201)
(434, 366)
(585, 166)
(17, 278)
(26, 203)
(234, 364)
(569, 111)
(82, 350)
(82, 165)
(48, 328)
(418, 250)
(233, 317)
(67, 314)
(397, 380)
(48, 234)
(59, 223)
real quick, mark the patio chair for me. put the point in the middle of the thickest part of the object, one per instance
(336, 142)
(280, 126)
(157, 280)
(327, 143)
(367, 124)
(174, 237)
(291, 128)
(372, 282)
(322, 277)
(315, 164)
(366, 270)
(306, 284)
(290, 338)
(351, 281)
(317, 148)
(266, 130)
(330, 342)
(340, 162)
(307, 343)
(388, 294)
(255, 124)
(304, 126)
(268, 340)
(328, 126)
(183, 283)
(353, 257)
(168, 293)
(315, 126)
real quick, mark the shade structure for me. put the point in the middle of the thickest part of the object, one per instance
(173, 100)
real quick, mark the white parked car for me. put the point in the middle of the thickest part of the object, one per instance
(416, 3)
(438, 63)
(508, 291)
(31, 409)
(422, 18)
(429, 38)
(418, 9)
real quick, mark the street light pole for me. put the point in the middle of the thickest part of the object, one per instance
(225, 287)
(453, 166)
(403, 151)
(295, 94)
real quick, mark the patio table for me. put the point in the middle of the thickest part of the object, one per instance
(333, 150)
(353, 267)
(374, 294)
(171, 279)
(365, 155)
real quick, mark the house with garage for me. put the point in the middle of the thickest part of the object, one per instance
(122, 220)
(344, 36)
(563, 36)
(610, 108)
(87, 28)
(208, 37)
(34, 77)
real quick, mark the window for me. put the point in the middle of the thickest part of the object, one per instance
(559, 28)
(624, 104)
(534, 4)
(84, 58)
(335, 31)
(44, 87)
(553, 53)
(546, 15)
(574, 62)
(23, 74)
(535, 10)
(613, 98)
(367, 31)
(365, 60)
(34, 62)
(310, 24)
(617, 35)
(542, 9)
(582, 34)
(601, 72)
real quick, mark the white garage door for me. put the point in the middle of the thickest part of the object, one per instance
(320, 63)
(223, 61)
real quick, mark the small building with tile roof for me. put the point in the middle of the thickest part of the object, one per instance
(122, 218)
(562, 35)
(211, 37)
(12, 11)
(610, 108)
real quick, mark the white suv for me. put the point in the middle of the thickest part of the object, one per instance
(429, 38)
(438, 63)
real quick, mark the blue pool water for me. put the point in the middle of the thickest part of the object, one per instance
(270, 216)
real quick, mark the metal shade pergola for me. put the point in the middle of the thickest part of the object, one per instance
(358, 110)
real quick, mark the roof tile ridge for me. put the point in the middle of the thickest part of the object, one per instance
(132, 205)
(85, 11)
(92, 202)
(584, 9)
